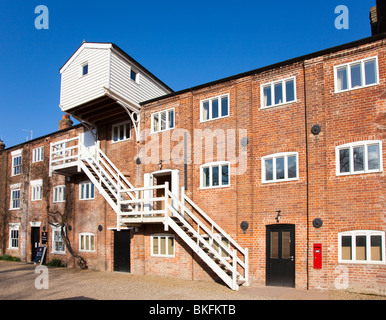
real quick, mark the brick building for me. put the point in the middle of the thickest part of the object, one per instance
(269, 177)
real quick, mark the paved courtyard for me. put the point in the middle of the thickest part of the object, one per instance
(18, 279)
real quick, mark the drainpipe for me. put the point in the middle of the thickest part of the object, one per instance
(307, 201)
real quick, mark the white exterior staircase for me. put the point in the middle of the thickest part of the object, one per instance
(135, 206)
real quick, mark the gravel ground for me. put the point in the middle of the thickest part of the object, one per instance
(17, 282)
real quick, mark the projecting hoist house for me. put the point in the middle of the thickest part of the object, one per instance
(292, 193)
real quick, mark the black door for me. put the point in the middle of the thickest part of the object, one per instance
(280, 268)
(122, 250)
(35, 239)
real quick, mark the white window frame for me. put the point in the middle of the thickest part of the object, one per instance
(37, 155)
(85, 237)
(167, 253)
(15, 188)
(85, 196)
(36, 190)
(351, 147)
(210, 100)
(12, 239)
(274, 156)
(167, 122)
(81, 69)
(126, 131)
(272, 86)
(348, 72)
(210, 165)
(136, 75)
(16, 170)
(368, 234)
(58, 194)
(54, 230)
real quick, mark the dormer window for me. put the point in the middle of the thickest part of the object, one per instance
(133, 75)
(84, 69)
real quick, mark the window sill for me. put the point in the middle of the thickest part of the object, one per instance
(281, 180)
(278, 105)
(214, 119)
(357, 173)
(215, 187)
(356, 88)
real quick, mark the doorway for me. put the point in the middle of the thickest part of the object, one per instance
(280, 255)
(35, 241)
(122, 251)
(161, 179)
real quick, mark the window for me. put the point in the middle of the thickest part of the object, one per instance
(37, 154)
(215, 175)
(14, 235)
(16, 162)
(280, 167)
(359, 157)
(278, 93)
(121, 131)
(162, 121)
(59, 194)
(15, 196)
(362, 246)
(36, 190)
(86, 190)
(86, 242)
(58, 245)
(357, 74)
(134, 75)
(84, 69)
(162, 245)
(215, 108)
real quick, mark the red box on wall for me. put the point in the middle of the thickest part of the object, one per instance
(317, 256)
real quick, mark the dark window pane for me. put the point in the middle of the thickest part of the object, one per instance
(224, 106)
(214, 108)
(346, 248)
(373, 154)
(268, 169)
(205, 111)
(292, 169)
(370, 72)
(225, 175)
(361, 247)
(356, 76)
(279, 168)
(342, 79)
(278, 93)
(290, 90)
(358, 158)
(215, 176)
(267, 96)
(205, 178)
(344, 160)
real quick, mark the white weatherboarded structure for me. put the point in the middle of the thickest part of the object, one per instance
(100, 76)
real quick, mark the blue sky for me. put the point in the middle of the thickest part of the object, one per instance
(184, 43)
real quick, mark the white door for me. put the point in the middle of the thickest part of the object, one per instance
(148, 182)
(88, 141)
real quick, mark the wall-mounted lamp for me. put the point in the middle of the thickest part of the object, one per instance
(278, 217)
(160, 164)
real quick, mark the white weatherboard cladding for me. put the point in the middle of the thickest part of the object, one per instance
(121, 83)
(77, 89)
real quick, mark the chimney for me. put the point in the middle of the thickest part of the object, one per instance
(2, 145)
(65, 123)
(378, 18)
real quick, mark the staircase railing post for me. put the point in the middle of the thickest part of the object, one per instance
(234, 271)
(246, 268)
